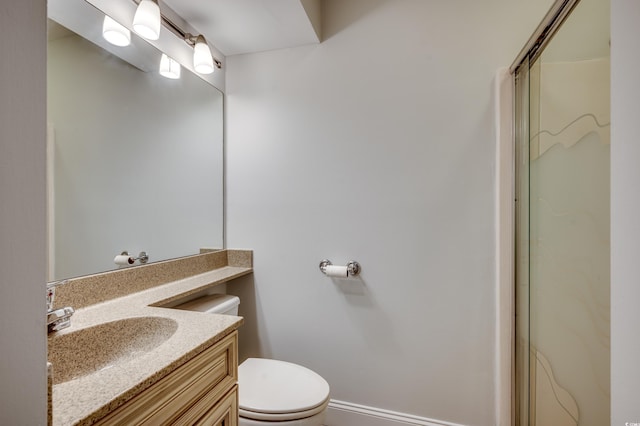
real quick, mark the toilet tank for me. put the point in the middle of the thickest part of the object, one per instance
(224, 304)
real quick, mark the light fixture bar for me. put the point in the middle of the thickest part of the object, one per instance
(187, 37)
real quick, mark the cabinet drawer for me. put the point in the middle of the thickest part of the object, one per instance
(210, 374)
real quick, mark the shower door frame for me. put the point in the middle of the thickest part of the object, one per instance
(522, 368)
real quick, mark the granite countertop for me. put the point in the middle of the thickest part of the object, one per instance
(83, 400)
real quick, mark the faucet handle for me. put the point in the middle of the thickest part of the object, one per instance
(51, 292)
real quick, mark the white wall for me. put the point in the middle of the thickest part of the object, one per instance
(625, 202)
(377, 145)
(23, 386)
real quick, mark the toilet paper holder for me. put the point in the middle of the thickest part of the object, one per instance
(143, 257)
(353, 267)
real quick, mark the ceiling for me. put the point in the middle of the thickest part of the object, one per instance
(235, 27)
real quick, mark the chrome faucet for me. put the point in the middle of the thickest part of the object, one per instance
(59, 318)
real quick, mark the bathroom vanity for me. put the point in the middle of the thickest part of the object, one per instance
(127, 358)
(203, 391)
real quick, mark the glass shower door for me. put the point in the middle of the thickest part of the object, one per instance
(562, 282)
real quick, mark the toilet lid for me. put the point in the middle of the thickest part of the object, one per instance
(276, 387)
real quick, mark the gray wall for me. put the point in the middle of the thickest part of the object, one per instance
(377, 145)
(625, 203)
(23, 391)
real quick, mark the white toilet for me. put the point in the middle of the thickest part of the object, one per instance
(270, 392)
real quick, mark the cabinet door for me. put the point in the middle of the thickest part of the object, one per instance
(209, 376)
(223, 414)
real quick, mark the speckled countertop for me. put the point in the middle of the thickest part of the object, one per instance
(84, 400)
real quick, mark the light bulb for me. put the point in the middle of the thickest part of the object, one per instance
(115, 33)
(146, 21)
(169, 68)
(202, 59)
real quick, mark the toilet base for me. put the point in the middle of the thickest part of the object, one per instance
(315, 420)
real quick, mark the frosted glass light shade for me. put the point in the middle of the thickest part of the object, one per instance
(202, 59)
(115, 33)
(146, 21)
(169, 68)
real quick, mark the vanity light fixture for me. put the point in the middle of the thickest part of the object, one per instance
(115, 33)
(169, 67)
(146, 21)
(202, 59)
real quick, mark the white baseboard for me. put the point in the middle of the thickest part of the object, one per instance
(341, 413)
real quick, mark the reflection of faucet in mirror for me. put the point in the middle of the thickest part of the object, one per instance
(59, 318)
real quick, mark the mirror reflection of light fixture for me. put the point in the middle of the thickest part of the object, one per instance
(169, 67)
(202, 59)
(146, 21)
(115, 33)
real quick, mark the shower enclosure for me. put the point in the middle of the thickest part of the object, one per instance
(562, 157)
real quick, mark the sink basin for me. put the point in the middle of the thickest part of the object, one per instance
(96, 348)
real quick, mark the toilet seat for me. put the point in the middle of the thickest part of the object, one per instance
(281, 417)
(274, 390)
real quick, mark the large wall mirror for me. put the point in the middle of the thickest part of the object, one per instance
(135, 160)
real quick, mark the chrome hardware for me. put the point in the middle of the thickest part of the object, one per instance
(60, 318)
(143, 257)
(353, 267)
(51, 292)
(323, 265)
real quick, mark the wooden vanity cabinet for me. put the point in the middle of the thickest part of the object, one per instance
(203, 391)
(224, 413)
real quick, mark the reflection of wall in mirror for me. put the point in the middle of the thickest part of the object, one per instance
(138, 160)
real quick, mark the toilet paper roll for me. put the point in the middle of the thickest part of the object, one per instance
(122, 259)
(336, 271)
